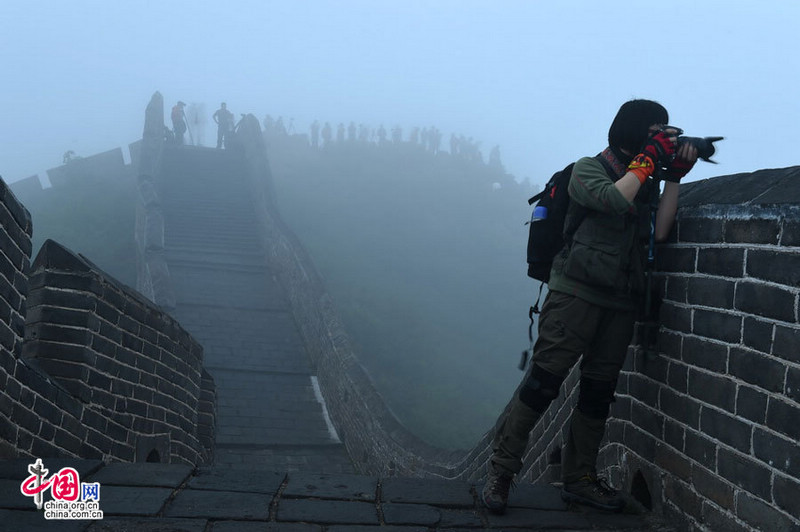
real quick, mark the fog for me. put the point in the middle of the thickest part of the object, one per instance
(541, 80)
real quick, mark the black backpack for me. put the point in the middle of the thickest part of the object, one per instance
(546, 230)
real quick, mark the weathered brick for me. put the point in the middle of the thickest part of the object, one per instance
(751, 404)
(725, 262)
(757, 334)
(752, 230)
(745, 472)
(680, 494)
(786, 493)
(59, 316)
(783, 417)
(700, 447)
(779, 452)
(791, 233)
(726, 428)
(671, 460)
(710, 485)
(640, 442)
(677, 260)
(647, 419)
(673, 433)
(678, 377)
(706, 230)
(57, 333)
(60, 298)
(765, 300)
(723, 326)
(775, 266)
(677, 287)
(715, 518)
(711, 292)
(762, 515)
(705, 354)
(643, 389)
(713, 389)
(793, 384)
(762, 370)
(680, 407)
(787, 343)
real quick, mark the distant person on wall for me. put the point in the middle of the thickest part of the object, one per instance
(596, 284)
(224, 120)
(178, 122)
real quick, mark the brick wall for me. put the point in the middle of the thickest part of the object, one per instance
(705, 432)
(89, 367)
(710, 426)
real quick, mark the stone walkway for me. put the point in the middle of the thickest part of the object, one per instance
(172, 497)
(269, 408)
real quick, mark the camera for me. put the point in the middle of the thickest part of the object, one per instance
(704, 145)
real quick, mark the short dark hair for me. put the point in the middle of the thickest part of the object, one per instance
(628, 131)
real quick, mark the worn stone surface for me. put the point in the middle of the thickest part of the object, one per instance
(262, 501)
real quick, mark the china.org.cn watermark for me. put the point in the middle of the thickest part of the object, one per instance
(71, 498)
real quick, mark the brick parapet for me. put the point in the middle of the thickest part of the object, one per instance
(97, 371)
(711, 422)
(703, 432)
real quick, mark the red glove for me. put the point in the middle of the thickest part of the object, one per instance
(661, 148)
(657, 151)
(679, 168)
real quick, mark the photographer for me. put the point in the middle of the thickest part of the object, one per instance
(596, 285)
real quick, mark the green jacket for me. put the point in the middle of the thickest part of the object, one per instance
(604, 263)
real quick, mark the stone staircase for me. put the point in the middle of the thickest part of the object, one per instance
(269, 409)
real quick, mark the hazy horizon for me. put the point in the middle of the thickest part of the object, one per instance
(541, 81)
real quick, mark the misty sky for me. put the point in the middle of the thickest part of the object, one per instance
(542, 80)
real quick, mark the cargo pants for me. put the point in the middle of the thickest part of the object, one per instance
(568, 328)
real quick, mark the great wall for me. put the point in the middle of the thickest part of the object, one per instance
(704, 435)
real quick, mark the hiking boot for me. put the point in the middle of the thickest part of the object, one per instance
(495, 492)
(593, 491)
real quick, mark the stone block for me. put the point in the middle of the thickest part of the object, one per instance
(678, 376)
(782, 417)
(675, 318)
(787, 343)
(751, 404)
(762, 515)
(677, 260)
(126, 500)
(710, 292)
(757, 334)
(221, 478)
(682, 408)
(745, 472)
(327, 512)
(793, 384)
(704, 353)
(143, 474)
(426, 491)
(726, 428)
(706, 230)
(752, 231)
(774, 266)
(711, 486)
(700, 447)
(791, 233)
(763, 371)
(713, 389)
(786, 492)
(220, 505)
(776, 451)
(342, 487)
(766, 301)
(723, 326)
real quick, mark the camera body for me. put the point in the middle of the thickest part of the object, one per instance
(705, 145)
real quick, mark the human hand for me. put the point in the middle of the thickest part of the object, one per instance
(684, 161)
